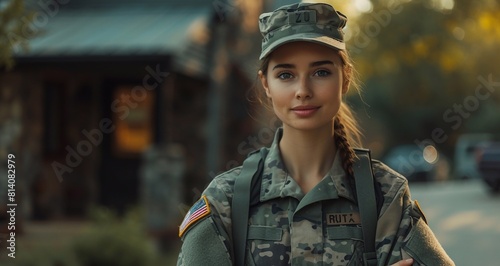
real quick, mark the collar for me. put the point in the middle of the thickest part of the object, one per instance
(276, 183)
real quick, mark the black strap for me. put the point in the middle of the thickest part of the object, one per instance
(365, 192)
(252, 167)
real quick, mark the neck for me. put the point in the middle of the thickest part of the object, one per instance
(308, 155)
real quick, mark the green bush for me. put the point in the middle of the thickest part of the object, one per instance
(111, 241)
(44, 256)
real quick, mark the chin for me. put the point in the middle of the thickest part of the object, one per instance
(309, 125)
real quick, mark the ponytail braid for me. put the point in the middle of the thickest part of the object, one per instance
(346, 134)
(346, 130)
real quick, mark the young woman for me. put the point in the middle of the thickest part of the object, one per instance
(306, 211)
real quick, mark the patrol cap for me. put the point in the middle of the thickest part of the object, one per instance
(312, 22)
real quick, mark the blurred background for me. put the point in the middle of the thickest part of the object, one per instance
(119, 113)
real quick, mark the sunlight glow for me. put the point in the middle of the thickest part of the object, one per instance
(363, 5)
(430, 154)
(444, 4)
(447, 4)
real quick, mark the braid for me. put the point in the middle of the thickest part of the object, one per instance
(346, 152)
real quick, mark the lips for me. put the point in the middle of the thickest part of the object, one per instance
(304, 107)
(305, 110)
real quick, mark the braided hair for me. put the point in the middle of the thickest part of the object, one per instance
(346, 137)
(346, 129)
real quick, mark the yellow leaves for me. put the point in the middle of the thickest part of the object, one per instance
(419, 49)
(489, 25)
(452, 42)
(451, 59)
(387, 62)
(449, 56)
(486, 21)
(447, 63)
(430, 48)
(421, 46)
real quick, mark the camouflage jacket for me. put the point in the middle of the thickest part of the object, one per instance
(321, 227)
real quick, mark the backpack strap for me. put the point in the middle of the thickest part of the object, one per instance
(365, 192)
(244, 184)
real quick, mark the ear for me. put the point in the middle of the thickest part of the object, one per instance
(265, 85)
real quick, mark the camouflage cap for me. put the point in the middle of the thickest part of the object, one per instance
(312, 22)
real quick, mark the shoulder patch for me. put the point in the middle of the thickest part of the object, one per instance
(199, 210)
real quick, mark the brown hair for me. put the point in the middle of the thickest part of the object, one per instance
(346, 129)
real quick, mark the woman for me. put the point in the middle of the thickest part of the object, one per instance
(306, 211)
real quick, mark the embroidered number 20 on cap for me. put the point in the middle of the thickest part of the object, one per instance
(199, 210)
(302, 17)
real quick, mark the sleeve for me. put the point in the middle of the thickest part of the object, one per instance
(202, 246)
(207, 241)
(411, 237)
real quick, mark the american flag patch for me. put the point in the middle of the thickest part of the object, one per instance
(199, 210)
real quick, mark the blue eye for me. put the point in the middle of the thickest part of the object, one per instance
(322, 73)
(285, 75)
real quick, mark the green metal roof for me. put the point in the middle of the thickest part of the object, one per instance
(121, 31)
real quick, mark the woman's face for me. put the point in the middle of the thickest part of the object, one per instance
(305, 83)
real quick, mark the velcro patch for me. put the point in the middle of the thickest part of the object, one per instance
(343, 218)
(302, 17)
(199, 210)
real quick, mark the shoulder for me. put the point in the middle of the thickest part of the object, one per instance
(387, 177)
(221, 188)
(392, 184)
(219, 194)
(214, 204)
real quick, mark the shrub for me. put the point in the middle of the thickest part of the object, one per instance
(111, 241)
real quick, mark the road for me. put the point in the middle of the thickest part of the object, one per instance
(465, 218)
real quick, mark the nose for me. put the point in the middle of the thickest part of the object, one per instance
(303, 91)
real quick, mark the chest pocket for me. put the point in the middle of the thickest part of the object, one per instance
(345, 245)
(266, 245)
(270, 233)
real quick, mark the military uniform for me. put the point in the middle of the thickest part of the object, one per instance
(321, 227)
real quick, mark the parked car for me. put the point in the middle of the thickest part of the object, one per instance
(489, 165)
(465, 163)
(417, 164)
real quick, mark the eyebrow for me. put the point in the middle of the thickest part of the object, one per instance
(313, 64)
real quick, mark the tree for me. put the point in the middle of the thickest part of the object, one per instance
(422, 64)
(14, 30)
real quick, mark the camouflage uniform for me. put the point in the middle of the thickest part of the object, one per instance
(321, 227)
(317, 23)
